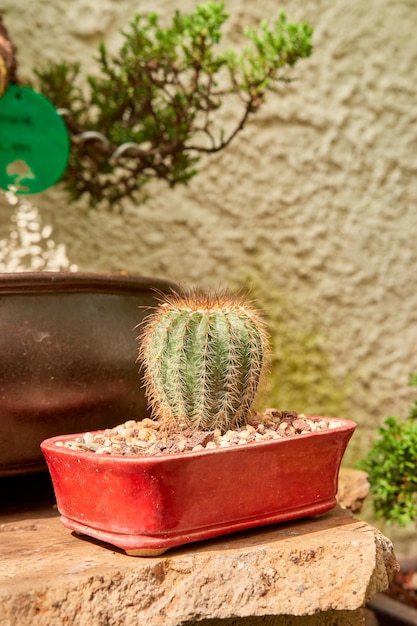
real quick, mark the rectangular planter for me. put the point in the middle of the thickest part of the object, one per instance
(146, 505)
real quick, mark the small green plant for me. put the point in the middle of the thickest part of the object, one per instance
(392, 467)
(152, 110)
(203, 358)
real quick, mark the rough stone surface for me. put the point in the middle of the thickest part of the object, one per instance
(353, 487)
(326, 567)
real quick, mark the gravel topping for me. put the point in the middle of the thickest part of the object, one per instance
(147, 438)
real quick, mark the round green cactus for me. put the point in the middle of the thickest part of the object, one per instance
(203, 358)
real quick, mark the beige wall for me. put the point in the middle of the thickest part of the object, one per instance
(315, 203)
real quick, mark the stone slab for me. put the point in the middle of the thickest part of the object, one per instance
(312, 572)
(353, 488)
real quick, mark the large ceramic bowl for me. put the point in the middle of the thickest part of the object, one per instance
(68, 354)
(147, 504)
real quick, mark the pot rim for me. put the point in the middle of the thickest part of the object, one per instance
(78, 282)
(346, 426)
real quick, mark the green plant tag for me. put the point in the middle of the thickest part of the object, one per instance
(34, 142)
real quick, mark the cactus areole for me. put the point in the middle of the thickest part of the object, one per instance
(203, 358)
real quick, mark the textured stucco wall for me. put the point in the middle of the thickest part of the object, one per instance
(314, 203)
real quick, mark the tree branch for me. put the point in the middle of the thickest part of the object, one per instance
(8, 63)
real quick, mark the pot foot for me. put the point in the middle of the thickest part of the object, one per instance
(146, 552)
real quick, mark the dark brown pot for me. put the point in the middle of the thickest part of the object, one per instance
(68, 352)
(387, 611)
(393, 608)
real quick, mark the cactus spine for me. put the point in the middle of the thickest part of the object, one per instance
(203, 358)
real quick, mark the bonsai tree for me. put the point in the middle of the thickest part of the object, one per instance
(391, 464)
(203, 358)
(153, 109)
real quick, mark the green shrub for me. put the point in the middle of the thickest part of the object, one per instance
(392, 467)
(158, 103)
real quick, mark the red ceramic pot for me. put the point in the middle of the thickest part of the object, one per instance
(68, 354)
(146, 505)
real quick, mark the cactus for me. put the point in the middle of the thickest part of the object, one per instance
(203, 358)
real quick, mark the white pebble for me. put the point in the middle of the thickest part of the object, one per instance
(88, 438)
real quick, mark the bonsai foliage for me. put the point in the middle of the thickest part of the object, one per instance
(203, 358)
(392, 467)
(152, 110)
